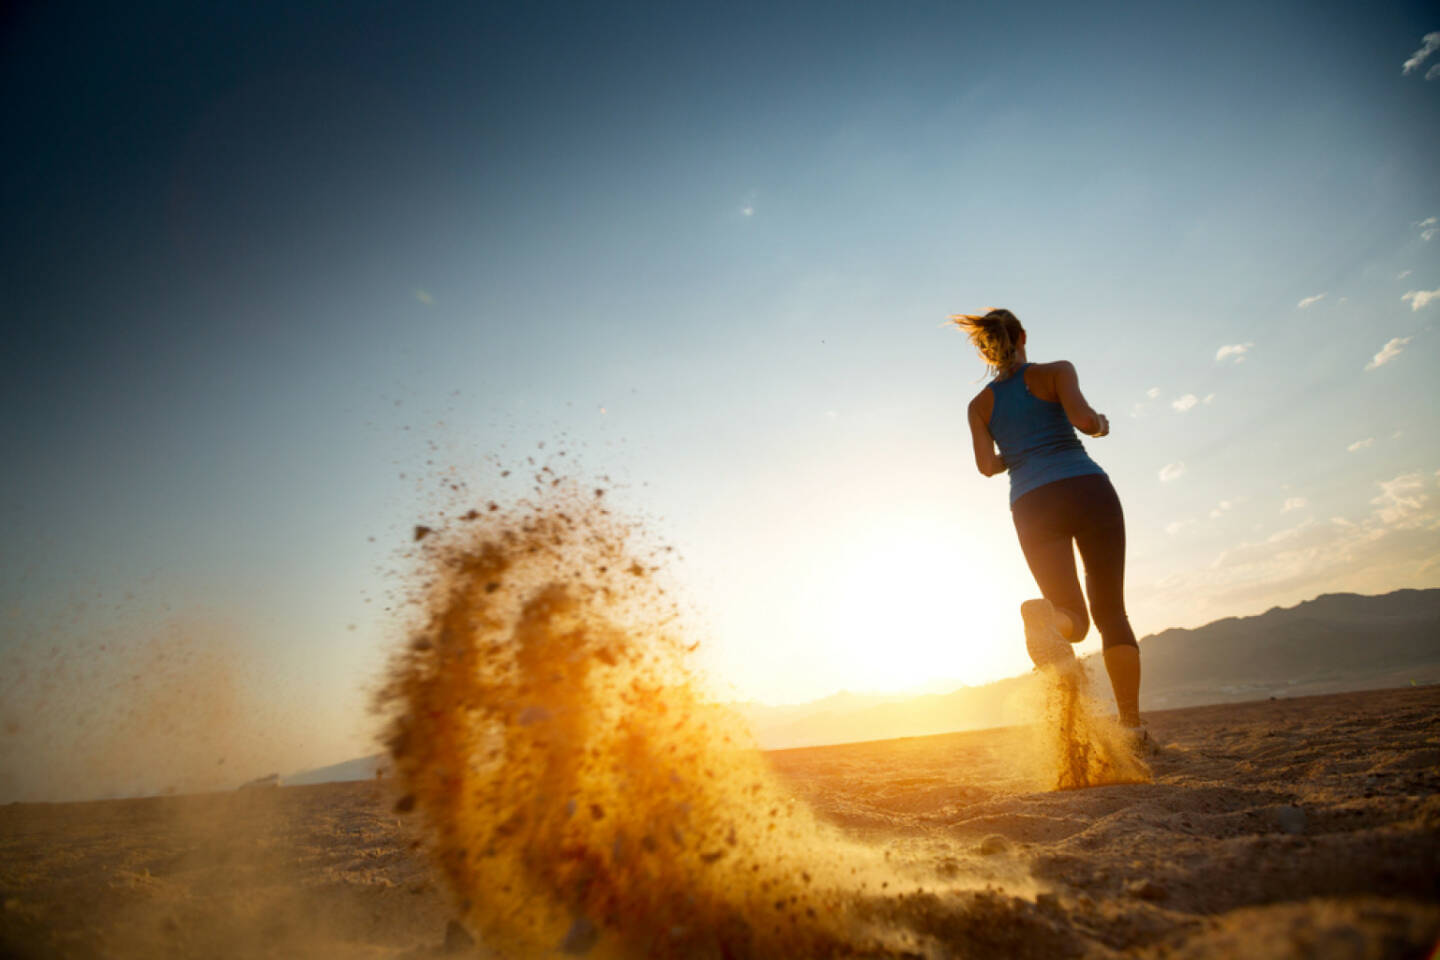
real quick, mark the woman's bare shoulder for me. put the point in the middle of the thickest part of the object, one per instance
(1049, 376)
(982, 402)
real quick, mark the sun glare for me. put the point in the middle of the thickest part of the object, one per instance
(909, 610)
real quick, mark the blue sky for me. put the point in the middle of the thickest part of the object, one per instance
(266, 274)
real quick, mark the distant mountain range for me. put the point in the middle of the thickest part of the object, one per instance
(1336, 642)
(363, 768)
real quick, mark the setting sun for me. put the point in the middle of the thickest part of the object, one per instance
(900, 607)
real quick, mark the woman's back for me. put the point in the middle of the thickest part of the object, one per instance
(1034, 435)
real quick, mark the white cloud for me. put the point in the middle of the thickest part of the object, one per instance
(1185, 403)
(1403, 274)
(1400, 498)
(1428, 222)
(1433, 72)
(1428, 234)
(1419, 298)
(1294, 503)
(1388, 352)
(1221, 508)
(1236, 350)
(1172, 471)
(1175, 526)
(1209, 399)
(1361, 444)
(1428, 45)
(1141, 408)
(1310, 301)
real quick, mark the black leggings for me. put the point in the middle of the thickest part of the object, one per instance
(1087, 511)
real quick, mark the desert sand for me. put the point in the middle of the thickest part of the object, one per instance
(1297, 828)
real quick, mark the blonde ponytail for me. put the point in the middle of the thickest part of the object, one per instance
(995, 334)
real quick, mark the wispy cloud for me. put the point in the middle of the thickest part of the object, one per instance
(1221, 508)
(1403, 274)
(1428, 45)
(1233, 351)
(1209, 399)
(1310, 301)
(1185, 403)
(1175, 526)
(1294, 503)
(1388, 352)
(1400, 498)
(1388, 544)
(1172, 471)
(1361, 444)
(1419, 298)
(1141, 408)
(424, 297)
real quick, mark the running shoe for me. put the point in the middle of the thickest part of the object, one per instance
(1043, 640)
(1140, 742)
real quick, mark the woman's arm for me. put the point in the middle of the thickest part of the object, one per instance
(1082, 417)
(987, 461)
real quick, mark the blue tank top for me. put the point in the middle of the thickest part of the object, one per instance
(1034, 437)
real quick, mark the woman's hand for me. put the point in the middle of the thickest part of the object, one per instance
(1102, 425)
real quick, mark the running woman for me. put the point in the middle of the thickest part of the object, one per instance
(1058, 496)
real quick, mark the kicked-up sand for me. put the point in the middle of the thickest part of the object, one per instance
(1290, 828)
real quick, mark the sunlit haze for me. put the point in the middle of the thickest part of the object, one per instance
(273, 280)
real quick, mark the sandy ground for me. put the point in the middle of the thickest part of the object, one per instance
(1304, 828)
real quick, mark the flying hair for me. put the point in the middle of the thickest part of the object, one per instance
(995, 334)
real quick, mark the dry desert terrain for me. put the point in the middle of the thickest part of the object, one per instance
(1287, 828)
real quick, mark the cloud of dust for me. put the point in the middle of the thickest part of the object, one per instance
(578, 791)
(174, 711)
(1075, 742)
